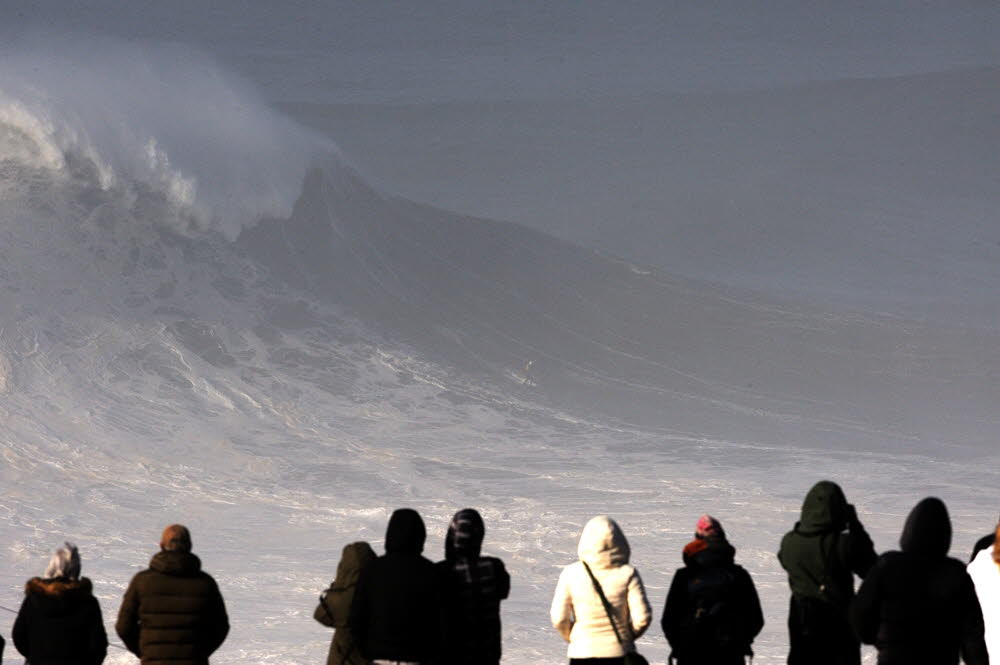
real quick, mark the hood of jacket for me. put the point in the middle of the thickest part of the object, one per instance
(602, 544)
(465, 535)
(406, 532)
(927, 530)
(709, 552)
(57, 595)
(824, 509)
(353, 559)
(176, 563)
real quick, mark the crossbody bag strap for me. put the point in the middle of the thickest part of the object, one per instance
(604, 601)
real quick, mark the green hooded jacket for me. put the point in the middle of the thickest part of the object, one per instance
(827, 547)
(335, 604)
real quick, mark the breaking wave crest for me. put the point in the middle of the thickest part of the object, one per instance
(164, 122)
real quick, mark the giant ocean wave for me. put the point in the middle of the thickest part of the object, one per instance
(208, 316)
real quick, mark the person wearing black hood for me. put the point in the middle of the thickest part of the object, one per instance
(474, 585)
(821, 555)
(713, 612)
(919, 605)
(60, 619)
(396, 615)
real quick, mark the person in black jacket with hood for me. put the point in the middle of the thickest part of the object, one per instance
(919, 605)
(60, 620)
(713, 612)
(396, 614)
(821, 555)
(474, 585)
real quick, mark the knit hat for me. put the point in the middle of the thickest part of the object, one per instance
(707, 527)
(65, 563)
(176, 538)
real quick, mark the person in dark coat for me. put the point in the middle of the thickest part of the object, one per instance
(173, 612)
(60, 619)
(396, 614)
(713, 613)
(983, 543)
(474, 585)
(919, 605)
(335, 604)
(821, 555)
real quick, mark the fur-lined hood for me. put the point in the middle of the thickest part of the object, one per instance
(58, 596)
(58, 587)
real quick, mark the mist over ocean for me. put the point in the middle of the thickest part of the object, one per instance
(275, 269)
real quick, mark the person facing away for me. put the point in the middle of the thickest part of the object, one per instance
(985, 573)
(173, 612)
(474, 585)
(918, 606)
(713, 613)
(577, 611)
(396, 615)
(60, 619)
(821, 555)
(983, 543)
(335, 604)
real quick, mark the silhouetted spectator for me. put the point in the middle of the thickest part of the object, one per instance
(334, 605)
(577, 610)
(172, 612)
(396, 614)
(985, 573)
(60, 619)
(821, 555)
(474, 585)
(713, 613)
(919, 605)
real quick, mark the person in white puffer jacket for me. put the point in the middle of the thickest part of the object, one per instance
(985, 573)
(577, 611)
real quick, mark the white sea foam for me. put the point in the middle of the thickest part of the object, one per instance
(163, 118)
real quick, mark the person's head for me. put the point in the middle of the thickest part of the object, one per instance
(353, 559)
(708, 527)
(405, 532)
(465, 535)
(176, 538)
(824, 508)
(927, 531)
(64, 564)
(603, 544)
(996, 546)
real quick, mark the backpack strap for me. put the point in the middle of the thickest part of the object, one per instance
(607, 605)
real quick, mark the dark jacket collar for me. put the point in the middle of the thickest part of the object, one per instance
(179, 564)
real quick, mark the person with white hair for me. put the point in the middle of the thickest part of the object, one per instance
(60, 620)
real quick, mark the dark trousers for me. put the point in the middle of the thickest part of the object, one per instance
(597, 661)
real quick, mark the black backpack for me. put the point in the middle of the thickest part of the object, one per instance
(714, 620)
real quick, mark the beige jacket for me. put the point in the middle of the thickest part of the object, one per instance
(577, 612)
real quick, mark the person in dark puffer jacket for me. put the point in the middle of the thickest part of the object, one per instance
(335, 604)
(919, 605)
(396, 615)
(173, 612)
(713, 613)
(821, 555)
(474, 585)
(60, 619)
